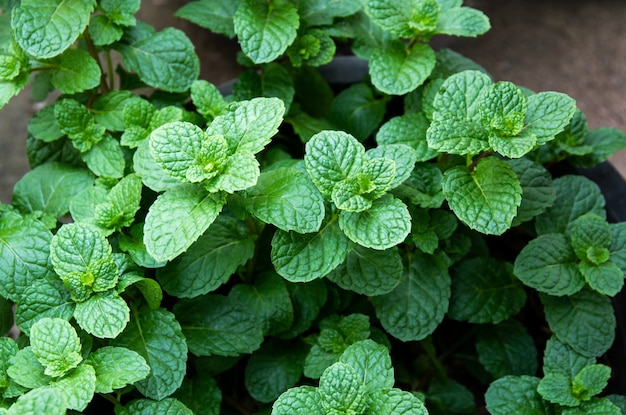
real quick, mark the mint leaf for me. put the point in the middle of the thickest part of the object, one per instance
(75, 120)
(103, 315)
(594, 406)
(215, 15)
(201, 394)
(303, 400)
(164, 60)
(322, 13)
(106, 158)
(121, 12)
(409, 129)
(39, 401)
(604, 142)
(404, 162)
(157, 337)
(484, 290)
(462, 21)
(165, 406)
(591, 237)
(583, 321)
(548, 114)
(205, 96)
(418, 304)
(561, 359)
(25, 370)
(368, 271)
(8, 349)
(104, 31)
(75, 71)
(210, 261)
(117, 367)
(307, 300)
(341, 390)
(46, 28)
(358, 111)
(394, 16)
(78, 387)
(538, 193)
(553, 271)
(397, 70)
(372, 363)
(46, 297)
(423, 187)
(218, 325)
(590, 381)
(286, 198)
(122, 203)
(314, 47)
(56, 345)
(152, 175)
(387, 223)
(108, 109)
(396, 402)
(177, 218)
(556, 388)
(515, 394)
(43, 125)
(265, 30)
(305, 257)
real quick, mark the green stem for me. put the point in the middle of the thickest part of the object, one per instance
(111, 399)
(91, 47)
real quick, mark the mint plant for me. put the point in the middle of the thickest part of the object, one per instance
(417, 241)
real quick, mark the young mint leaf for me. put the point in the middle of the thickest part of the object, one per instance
(594, 406)
(157, 337)
(584, 321)
(548, 114)
(506, 349)
(385, 224)
(575, 196)
(116, 367)
(396, 402)
(75, 71)
(25, 370)
(106, 158)
(121, 11)
(46, 297)
(103, 315)
(8, 349)
(148, 287)
(56, 345)
(591, 237)
(152, 175)
(122, 202)
(43, 125)
(108, 109)
(177, 218)
(462, 21)
(341, 390)
(554, 271)
(409, 129)
(210, 261)
(404, 162)
(273, 369)
(538, 192)
(75, 120)
(423, 187)
(397, 70)
(372, 363)
(556, 388)
(103, 30)
(240, 171)
(46, 28)
(201, 394)
(39, 401)
(561, 359)
(164, 60)
(484, 290)
(358, 111)
(303, 400)
(418, 304)
(286, 198)
(305, 257)
(485, 199)
(218, 325)
(590, 381)
(167, 406)
(515, 395)
(9, 89)
(394, 16)
(269, 299)
(368, 271)
(314, 47)
(322, 13)
(265, 30)
(215, 15)
(78, 387)
(206, 97)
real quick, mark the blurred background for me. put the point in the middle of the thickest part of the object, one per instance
(572, 46)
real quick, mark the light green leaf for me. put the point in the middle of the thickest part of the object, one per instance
(606, 278)
(409, 129)
(106, 158)
(314, 47)
(165, 60)
(341, 390)
(515, 395)
(463, 21)
(368, 271)
(303, 400)
(590, 381)
(108, 109)
(104, 31)
(387, 223)
(553, 271)
(75, 71)
(358, 111)
(417, 306)
(591, 237)
(372, 363)
(484, 290)
(9, 89)
(75, 120)
(56, 345)
(538, 192)
(305, 257)
(485, 199)
(123, 201)
(152, 175)
(205, 96)
(40, 401)
(286, 198)
(215, 15)
(46, 297)
(584, 321)
(322, 12)
(210, 261)
(240, 171)
(43, 125)
(396, 402)
(76, 248)
(394, 16)
(103, 315)
(556, 388)
(218, 325)
(46, 28)
(548, 114)
(121, 11)
(157, 337)
(265, 30)
(167, 406)
(177, 218)
(25, 370)
(398, 70)
(78, 387)
(116, 367)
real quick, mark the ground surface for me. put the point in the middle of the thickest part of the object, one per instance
(573, 46)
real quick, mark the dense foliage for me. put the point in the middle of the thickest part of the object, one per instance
(400, 245)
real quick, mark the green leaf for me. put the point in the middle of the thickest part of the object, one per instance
(394, 16)
(307, 300)
(43, 125)
(403, 158)
(201, 394)
(46, 28)
(605, 142)
(164, 60)
(75, 120)
(314, 47)
(167, 406)
(423, 187)
(387, 223)
(463, 21)
(8, 349)
(75, 71)
(515, 395)
(106, 158)
(177, 218)
(484, 290)
(450, 397)
(368, 271)
(40, 401)
(25, 370)
(303, 400)
(590, 381)
(218, 325)
(584, 321)
(548, 114)
(409, 129)
(104, 31)
(341, 390)
(358, 111)
(24, 256)
(322, 12)
(561, 359)
(152, 175)
(556, 388)
(396, 402)
(600, 406)
(538, 192)
(286, 198)
(240, 172)
(398, 70)
(104, 315)
(210, 261)
(78, 387)
(305, 257)
(485, 199)
(56, 345)
(506, 349)
(157, 337)
(372, 363)
(575, 196)
(273, 369)
(268, 299)
(618, 245)
(591, 237)
(9, 89)
(121, 205)
(108, 109)
(205, 96)
(418, 304)
(117, 367)
(265, 30)
(121, 11)
(46, 297)
(215, 15)
(553, 271)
